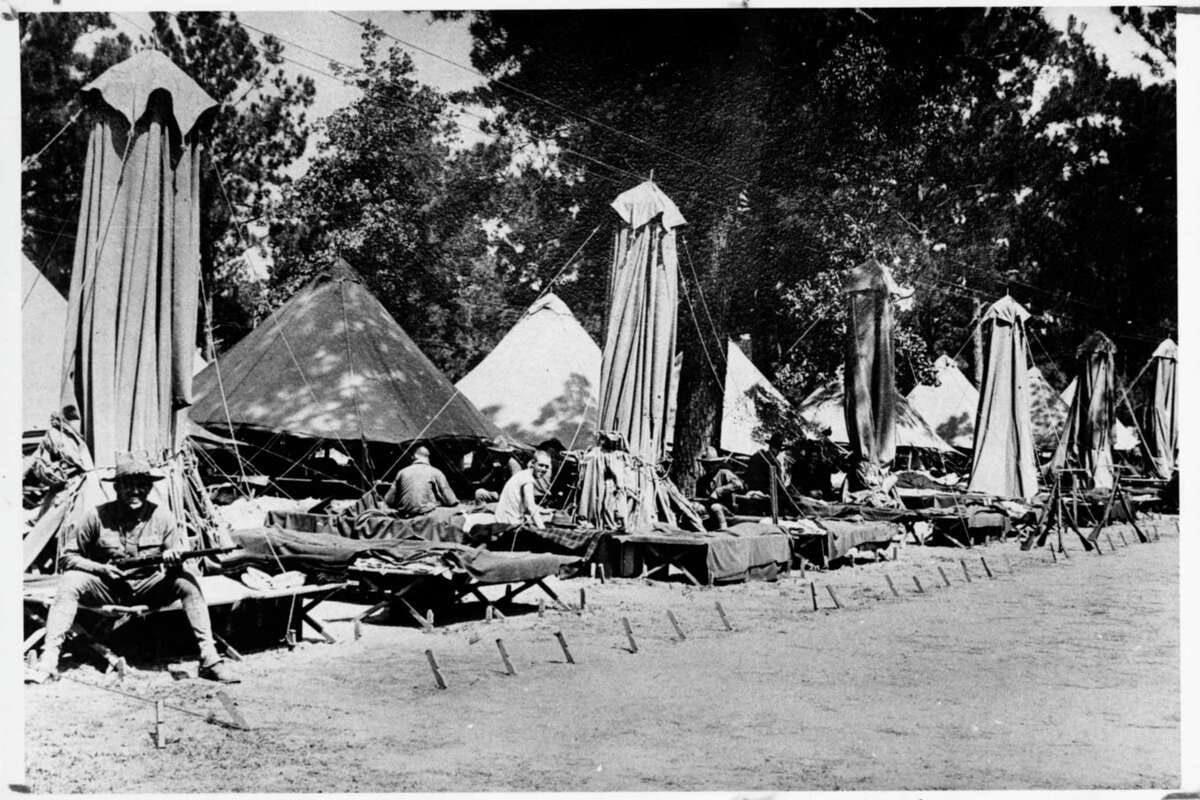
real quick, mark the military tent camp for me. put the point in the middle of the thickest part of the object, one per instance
(541, 380)
(1047, 410)
(950, 406)
(43, 323)
(823, 408)
(333, 364)
(745, 390)
(1086, 441)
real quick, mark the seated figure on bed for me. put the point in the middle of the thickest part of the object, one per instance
(497, 463)
(772, 457)
(420, 488)
(127, 527)
(518, 501)
(812, 473)
(716, 488)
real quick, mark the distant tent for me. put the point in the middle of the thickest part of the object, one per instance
(1124, 438)
(1047, 410)
(332, 363)
(1086, 442)
(823, 408)
(1164, 425)
(1004, 462)
(43, 324)
(745, 389)
(541, 381)
(950, 406)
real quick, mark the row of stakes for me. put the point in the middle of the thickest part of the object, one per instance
(239, 721)
(440, 680)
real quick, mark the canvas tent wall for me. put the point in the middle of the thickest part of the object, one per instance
(541, 381)
(333, 364)
(43, 325)
(950, 406)
(1086, 441)
(1047, 410)
(745, 389)
(1163, 424)
(823, 408)
(1124, 438)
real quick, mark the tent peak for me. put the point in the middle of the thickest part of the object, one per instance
(645, 202)
(1097, 342)
(1006, 310)
(548, 302)
(1168, 349)
(869, 276)
(127, 88)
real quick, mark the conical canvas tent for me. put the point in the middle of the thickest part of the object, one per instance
(636, 368)
(1086, 442)
(823, 408)
(542, 379)
(1164, 430)
(745, 389)
(333, 364)
(1047, 410)
(870, 379)
(131, 323)
(950, 406)
(43, 325)
(1004, 462)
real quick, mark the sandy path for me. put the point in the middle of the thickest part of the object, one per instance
(1059, 675)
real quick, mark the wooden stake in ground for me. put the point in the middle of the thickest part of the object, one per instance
(675, 624)
(429, 621)
(159, 742)
(437, 673)
(891, 585)
(541, 606)
(986, 569)
(633, 648)
(724, 618)
(1124, 541)
(1110, 542)
(508, 667)
(357, 629)
(562, 642)
(601, 571)
(487, 614)
(942, 572)
(920, 589)
(1053, 555)
(232, 710)
(582, 599)
(966, 572)
(833, 596)
(801, 567)
(812, 587)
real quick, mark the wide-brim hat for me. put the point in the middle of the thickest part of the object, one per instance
(132, 466)
(710, 455)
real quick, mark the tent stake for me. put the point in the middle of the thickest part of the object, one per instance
(833, 596)
(966, 572)
(582, 600)
(675, 624)
(917, 581)
(541, 607)
(159, 742)
(1124, 541)
(633, 648)
(891, 585)
(1053, 555)
(986, 569)
(437, 673)
(942, 572)
(724, 618)
(562, 642)
(504, 657)
(1110, 542)
(813, 589)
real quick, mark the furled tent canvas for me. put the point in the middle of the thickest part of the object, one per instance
(1086, 442)
(131, 325)
(823, 408)
(949, 406)
(43, 326)
(1046, 409)
(1164, 425)
(870, 373)
(1124, 438)
(332, 363)
(542, 379)
(745, 389)
(1004, 462)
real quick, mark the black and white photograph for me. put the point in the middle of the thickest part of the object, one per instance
(728, 398)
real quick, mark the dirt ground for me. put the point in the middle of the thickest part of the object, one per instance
(1054, 675)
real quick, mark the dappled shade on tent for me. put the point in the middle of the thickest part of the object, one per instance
(747, 391)
(43, 324)
(823, 408)
(1164, 430)
(1047, 410)
(949, 406)
(1004, 462)
(870, 379)
(332, 363)
(131, 326)
(541, 380)
(1086, 442)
